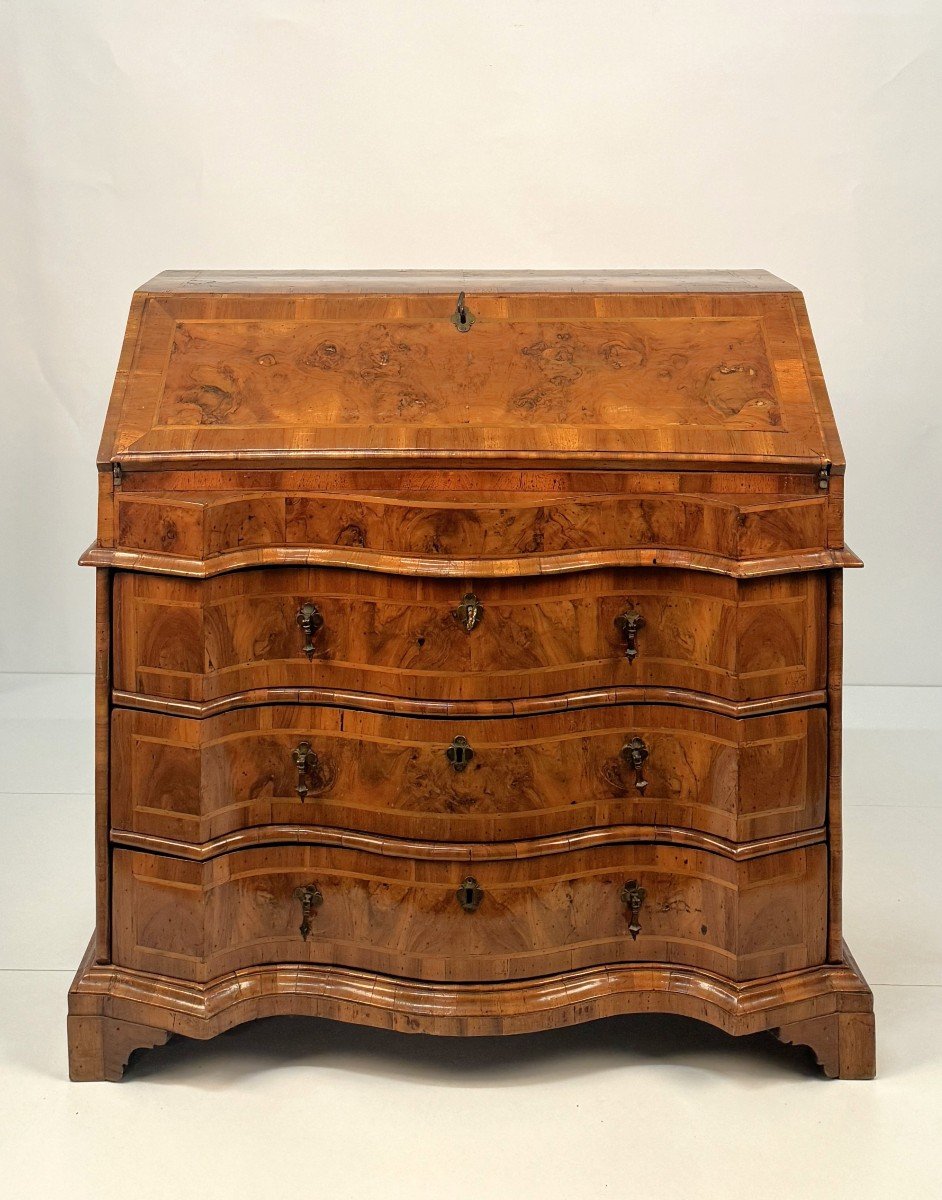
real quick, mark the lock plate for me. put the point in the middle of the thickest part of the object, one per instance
(470, 894)
(459, 753)
(462, 318)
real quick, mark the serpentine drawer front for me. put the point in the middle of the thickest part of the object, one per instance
(195, 780)
(514, 920)
(468, 661)
(195, 533)
(471, 639)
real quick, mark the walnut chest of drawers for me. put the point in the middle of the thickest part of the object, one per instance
(468, 661)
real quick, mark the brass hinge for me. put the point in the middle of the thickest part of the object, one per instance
(116, 474)
(824, 477)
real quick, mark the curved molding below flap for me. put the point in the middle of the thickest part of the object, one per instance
(482, 568)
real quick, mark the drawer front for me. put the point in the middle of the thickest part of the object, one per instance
(511, 920)
(202, 640)
(436, 526)
(520, 777)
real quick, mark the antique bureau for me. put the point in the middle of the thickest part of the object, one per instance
(468, 661)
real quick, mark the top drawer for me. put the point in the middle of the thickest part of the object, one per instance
(450, 639)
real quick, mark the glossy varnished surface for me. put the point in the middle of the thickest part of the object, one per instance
(827, 1007)
(643, 373)
(559, 375)
(399, 636)
(381, 529)
(199, 920)
(193, 780)
(595, 445)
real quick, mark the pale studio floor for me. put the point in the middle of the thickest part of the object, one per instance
(633, 1107)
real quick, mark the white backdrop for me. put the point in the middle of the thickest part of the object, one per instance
(802, 137)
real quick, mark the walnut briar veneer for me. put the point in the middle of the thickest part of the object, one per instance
(468, 661)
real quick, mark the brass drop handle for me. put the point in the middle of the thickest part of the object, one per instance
(632, 897)
(470, 894)
(469, 612)
(459, 753)
(310, 620)
(634, 753)
(629, 622)
(311, 899)
(306, 761)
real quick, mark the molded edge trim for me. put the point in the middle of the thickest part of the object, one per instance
(411, 282)
(282, 458)
(368, 998)
(468, 709)
(479, 568)
(308, 835)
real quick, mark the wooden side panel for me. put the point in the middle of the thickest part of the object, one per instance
(194, 780)
(204, 640)
(741, 920)
(103, 665)
(835, 753)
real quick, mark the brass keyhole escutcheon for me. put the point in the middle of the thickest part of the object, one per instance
(459, 753)
(310, 620)
(635, 753)
(630, 622)
(469, 612)
(462, 318)
(311, 899)
(632, 897)
(470, 894)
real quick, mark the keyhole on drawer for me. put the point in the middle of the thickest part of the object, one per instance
(470, 894)
(420, 641)
(459, 754)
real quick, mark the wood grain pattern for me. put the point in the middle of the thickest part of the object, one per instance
(530, 776)
(469, 526)
(399, 636)
(835, 650)
(100, 1047)
(842, 1043)
(645, 373)
(597, 442)
(103, 682)
(150, 478)
(459, 568)
(749, 479)
(538, 916)
(556, 375)
(468, 1010)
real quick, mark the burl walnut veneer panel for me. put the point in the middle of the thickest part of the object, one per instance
(195, 780)
(422, 638)
(468, 661)
(193, 526)
(565, 376)
(535, 916)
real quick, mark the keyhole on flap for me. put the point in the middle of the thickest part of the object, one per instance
(462, 318)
